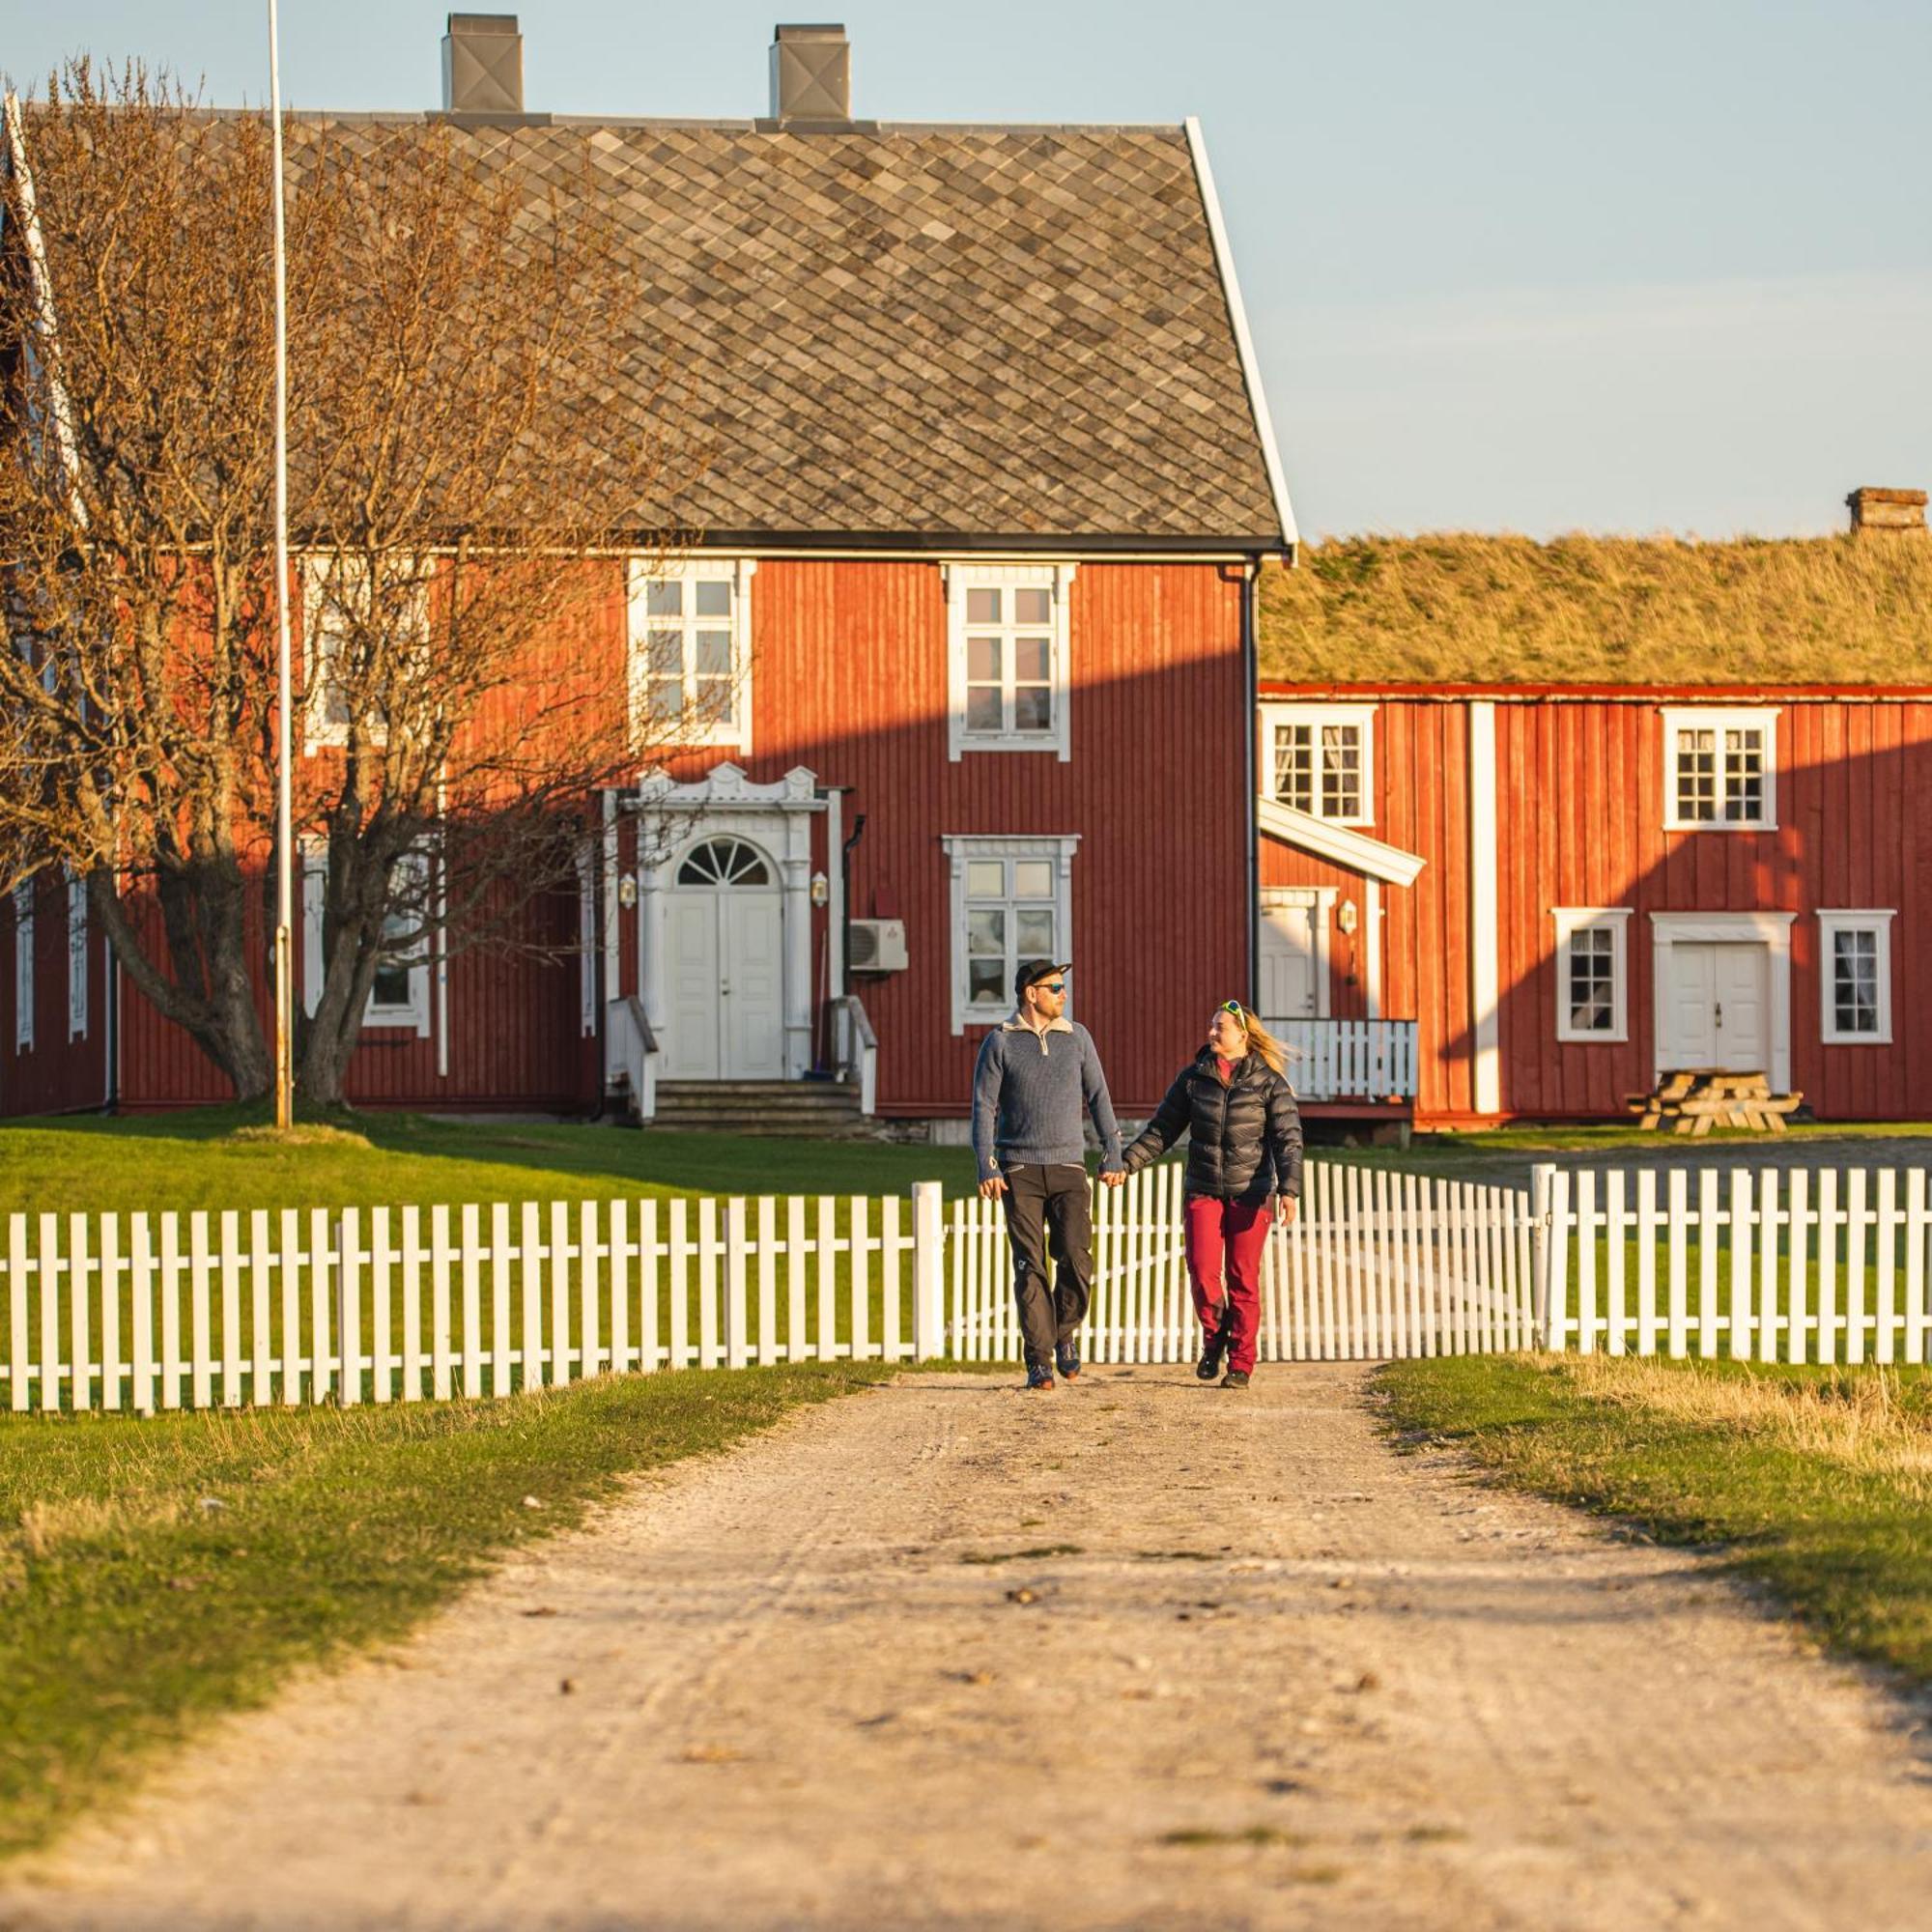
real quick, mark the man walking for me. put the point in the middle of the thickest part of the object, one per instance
(1035, 1076)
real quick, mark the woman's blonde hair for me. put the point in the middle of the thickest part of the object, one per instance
(1273, 1051)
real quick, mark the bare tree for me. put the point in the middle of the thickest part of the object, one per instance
(462, 508)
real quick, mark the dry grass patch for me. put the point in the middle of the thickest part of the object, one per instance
(1602, 609)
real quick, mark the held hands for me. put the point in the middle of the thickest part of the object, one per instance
(1283, 1210)
(991, 1190)
(1114, 1179)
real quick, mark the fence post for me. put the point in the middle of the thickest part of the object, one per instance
(1541, 1176)
(929, 1273)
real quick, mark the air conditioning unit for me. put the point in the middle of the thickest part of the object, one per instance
(878, 946)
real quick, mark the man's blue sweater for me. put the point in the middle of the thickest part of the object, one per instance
(1028, 1092)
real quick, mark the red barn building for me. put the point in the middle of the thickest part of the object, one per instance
(1492, 901)
(969, 623)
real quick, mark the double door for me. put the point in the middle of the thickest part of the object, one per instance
(1720, 1006)
(724, 965)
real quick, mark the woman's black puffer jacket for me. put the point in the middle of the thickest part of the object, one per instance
(1244, 1135)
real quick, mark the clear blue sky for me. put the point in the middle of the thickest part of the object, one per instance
(1537, 264)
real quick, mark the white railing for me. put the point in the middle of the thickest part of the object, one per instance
(170, 1311)
(1350, 1060)
(1375, 1265)
(855, 1050)
(631, 1049)
(1789, 1264)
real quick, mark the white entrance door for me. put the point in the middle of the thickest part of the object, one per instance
(725, 966)
(1720, 1006)
(1289, 988)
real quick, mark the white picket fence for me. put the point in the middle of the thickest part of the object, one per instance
(166, 1311)
(169, 1311)
(1782, 1265)
(1375, 1265)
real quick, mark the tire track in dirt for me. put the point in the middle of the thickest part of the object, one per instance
(1281, 1677)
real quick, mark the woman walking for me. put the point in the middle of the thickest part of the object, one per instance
(1244, 1155)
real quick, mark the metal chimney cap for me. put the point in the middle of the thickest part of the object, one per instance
(482, 65)
(812, 76)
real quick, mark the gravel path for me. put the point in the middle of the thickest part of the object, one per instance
(1283, 1678)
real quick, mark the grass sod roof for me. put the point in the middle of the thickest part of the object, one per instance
(1583, 609)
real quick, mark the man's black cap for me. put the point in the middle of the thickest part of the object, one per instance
(1033, 969)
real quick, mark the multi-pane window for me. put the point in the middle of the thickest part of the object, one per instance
(1009, 900)
(1320, 761)
(1007, 630)
(23, 966)
(76, 957)
(399, 994)
(690, 660)
(350, 645)
(1856, 974)
(1593, 980)
(1722, 769)
(1008, 662)
(1591, 992)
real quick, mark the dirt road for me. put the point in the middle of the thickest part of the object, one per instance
(1269, 1674)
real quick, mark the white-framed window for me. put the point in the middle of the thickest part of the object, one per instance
(1319, 759)
(335, 607)
(399, 994)
(689, 628)
(1855, 976)
(23, 966)
(76, 957)
(1720, 770)
(1008, 657)
(1592, 972)
(1013, 899)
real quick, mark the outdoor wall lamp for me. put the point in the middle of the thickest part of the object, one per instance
(1345, 915)
(627, 892)
(821, 889)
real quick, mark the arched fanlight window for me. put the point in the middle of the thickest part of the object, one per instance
(724, 862)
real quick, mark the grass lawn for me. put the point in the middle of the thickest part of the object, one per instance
(155, 1573)
(1814, 1482)
(198, 1160)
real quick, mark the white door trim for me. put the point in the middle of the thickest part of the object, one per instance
(1771, 929)
(776, 817)
(1320, 903)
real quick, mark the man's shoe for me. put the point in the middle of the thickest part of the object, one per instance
(1234, 1379)
(1067, 1359)
(1040, 1377)
(1209, 1364)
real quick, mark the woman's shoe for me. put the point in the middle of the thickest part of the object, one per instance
(1209, 1364)
(1234, 1379)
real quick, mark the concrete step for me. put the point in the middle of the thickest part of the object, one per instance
(807, 1109)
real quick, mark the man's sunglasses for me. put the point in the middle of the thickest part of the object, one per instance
(1052, 985)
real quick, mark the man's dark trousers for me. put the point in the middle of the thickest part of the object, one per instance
(1049, 1215)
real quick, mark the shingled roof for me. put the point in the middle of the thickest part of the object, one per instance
(922, 333)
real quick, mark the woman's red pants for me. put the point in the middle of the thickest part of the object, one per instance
(1225, 1239)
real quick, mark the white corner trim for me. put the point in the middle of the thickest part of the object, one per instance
(1251, 373)
(1485, 971)
(1372, 928)
(1571, 921)
(1353, 851)
(1718, 928)
(1832, 920)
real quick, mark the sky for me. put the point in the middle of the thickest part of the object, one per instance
(1530, 265)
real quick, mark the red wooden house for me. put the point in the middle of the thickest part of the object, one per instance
(1494, 900)
(969, 626)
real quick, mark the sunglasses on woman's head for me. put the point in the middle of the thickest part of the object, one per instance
(1234, 1007)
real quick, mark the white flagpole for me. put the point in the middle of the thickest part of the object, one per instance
(284, 782)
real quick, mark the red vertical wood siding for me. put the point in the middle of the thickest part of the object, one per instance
(1580, 813)
(56, 1075)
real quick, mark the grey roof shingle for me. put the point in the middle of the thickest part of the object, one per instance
(922, 332)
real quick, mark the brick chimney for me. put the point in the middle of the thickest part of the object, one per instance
(812, 76)
(1888, 510)
(482, 65)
